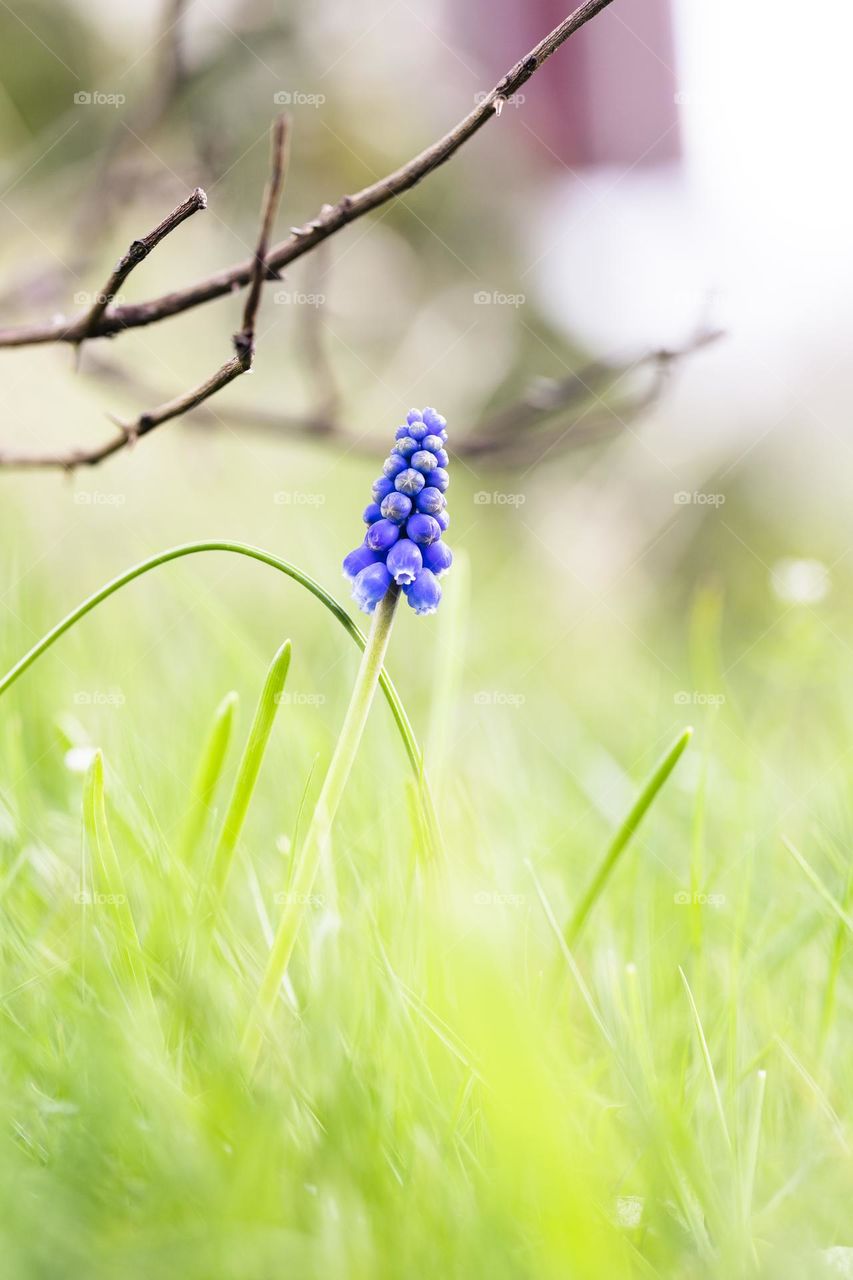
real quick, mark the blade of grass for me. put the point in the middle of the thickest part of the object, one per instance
(624, 835)
(706, 1057)
(249, 768)
(818, 885)
(109, 889)
(206, 779)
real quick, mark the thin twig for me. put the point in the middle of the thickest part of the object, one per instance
(330, 220)
(517, 435)
(244, 343)
(139, 250)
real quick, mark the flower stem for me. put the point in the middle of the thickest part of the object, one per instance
(317, 836)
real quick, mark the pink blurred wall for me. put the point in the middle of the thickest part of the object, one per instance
(606, 97)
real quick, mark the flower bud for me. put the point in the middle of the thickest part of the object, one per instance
(359, 559)
(424, 593)
(437, 557)
(430, 501)
(404, 561)
(396, 506)
(370, 586)
(382, 535)
(420, 528)
(409, 482)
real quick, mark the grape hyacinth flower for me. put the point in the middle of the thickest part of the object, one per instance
(406, 519)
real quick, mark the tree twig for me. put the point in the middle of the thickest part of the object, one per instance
(136, 253)
(331, 218)
(566, 414)
(240, 362)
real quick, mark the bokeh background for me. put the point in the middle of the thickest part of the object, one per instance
(642, 561)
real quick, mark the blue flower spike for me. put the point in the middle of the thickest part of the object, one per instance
(406, 519)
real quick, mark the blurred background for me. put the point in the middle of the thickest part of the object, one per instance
(651, 528)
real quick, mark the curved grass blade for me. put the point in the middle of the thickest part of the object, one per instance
(207, 777)
(265, 557)
(250, 765)
(624, 834)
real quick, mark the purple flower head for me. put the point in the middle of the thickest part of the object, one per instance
(424, 593)
(406, 519)
(370, 586)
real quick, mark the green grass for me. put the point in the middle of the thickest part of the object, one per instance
(458, 1079)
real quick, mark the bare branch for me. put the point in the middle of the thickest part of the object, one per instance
(331, 218)
(139, 250)
(562, 415)
(244, 341)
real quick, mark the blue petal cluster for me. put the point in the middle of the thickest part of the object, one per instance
(405, 519)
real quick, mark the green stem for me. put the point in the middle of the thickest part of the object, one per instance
(317, 836)
(254, 553)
